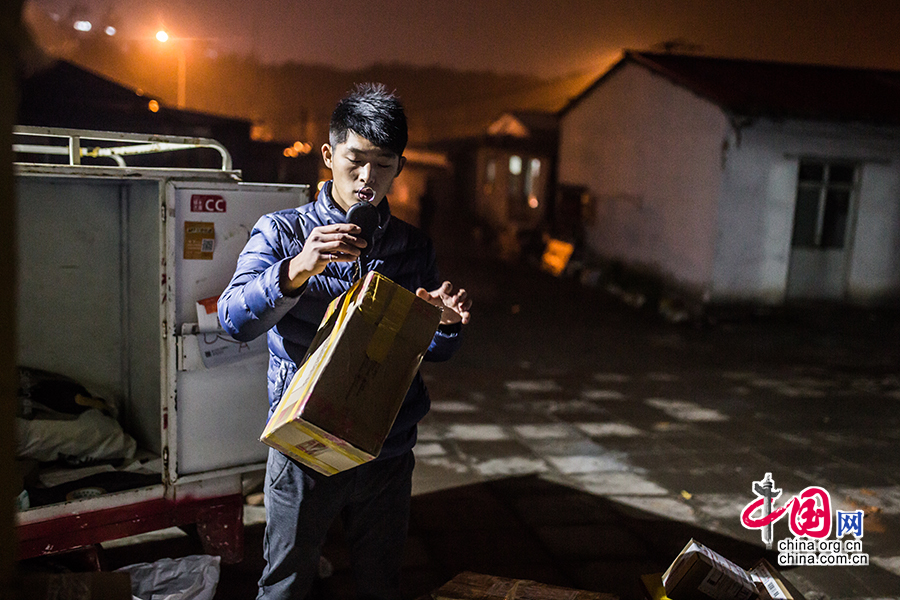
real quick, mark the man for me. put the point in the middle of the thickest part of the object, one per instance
(294, 264)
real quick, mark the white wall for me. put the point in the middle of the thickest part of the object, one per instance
(756, 215)
(875, 267)
(757, 208)
(650, 153)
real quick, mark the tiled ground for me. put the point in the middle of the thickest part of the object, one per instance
(580, 442)
(663, 461)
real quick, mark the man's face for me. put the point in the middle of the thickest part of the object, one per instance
(361, 170)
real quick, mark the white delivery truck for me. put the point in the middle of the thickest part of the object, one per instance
(118, 270)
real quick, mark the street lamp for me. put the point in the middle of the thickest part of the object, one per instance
(164, 37)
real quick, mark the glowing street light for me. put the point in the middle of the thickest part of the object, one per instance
(163, 37)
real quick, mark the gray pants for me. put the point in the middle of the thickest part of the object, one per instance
(373, 503)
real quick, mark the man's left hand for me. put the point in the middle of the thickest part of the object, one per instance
(455, 306)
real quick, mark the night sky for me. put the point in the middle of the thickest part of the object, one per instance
(540, 37)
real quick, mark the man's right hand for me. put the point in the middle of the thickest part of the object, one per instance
(325, 244)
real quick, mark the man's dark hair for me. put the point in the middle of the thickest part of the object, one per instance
(372, 112)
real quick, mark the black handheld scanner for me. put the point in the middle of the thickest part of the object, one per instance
(365, 215)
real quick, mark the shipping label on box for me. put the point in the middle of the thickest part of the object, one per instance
(699, 573)
(342, 402)
(771, 584)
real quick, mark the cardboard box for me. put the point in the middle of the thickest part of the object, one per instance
(341, 404)
(76, 586)
(770, 583)
(698, 573)
(473, 586)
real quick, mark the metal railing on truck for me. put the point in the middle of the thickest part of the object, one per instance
(129, 144)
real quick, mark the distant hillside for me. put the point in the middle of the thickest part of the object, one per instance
(294, 101)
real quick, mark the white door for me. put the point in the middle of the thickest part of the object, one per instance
(217, 403)
(821, 242)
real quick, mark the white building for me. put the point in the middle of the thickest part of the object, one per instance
(742, 181)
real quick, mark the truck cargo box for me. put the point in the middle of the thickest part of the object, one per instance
(116, 266)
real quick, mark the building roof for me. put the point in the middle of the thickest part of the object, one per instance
(526, 131)
(525, 124)
(754, 88)
(67, 95)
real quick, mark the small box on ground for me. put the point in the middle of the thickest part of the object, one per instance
(94, 585)
(474, 586)
(341, 404)
(698, 573)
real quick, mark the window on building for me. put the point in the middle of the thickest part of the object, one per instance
(515, 165)
(490, 171)
(490, 176)
(824, 193)
(515, 176)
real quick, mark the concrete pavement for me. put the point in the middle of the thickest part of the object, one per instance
(612, 437)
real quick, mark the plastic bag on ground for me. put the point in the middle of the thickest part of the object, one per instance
(187, 578)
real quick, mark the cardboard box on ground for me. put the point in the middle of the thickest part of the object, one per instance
(698, 573)
(75, 586)
(474, 586)
(341, 404)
